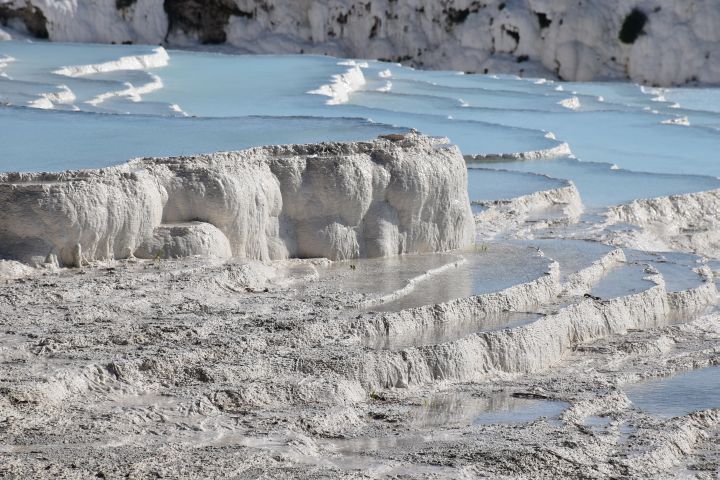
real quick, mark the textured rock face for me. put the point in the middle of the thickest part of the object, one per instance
(505, 214)
(526, 349)
(391, 196)
(684, 222)
(652, 41)
(31, 18)
(185, 240)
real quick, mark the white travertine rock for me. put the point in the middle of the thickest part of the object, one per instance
(12, 269)
(185, 240)
(561, 150)
(399, 194)
(525, 349)
(661, 42)
(687, 222)
(99, 21)
(502, 215)
(528, 348)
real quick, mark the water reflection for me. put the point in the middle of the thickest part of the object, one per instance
(499, 407)
(679, 394)
(491, 268)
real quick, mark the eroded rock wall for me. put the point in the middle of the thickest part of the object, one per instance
(337, 200)
(660, 42)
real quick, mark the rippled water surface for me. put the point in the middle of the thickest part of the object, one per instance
(488, 185)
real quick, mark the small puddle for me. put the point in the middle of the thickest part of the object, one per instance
(491, 268)
(571, 255)
(498, 408)
(523, 411)
(678, 394)
(623, 280)
(437, 416)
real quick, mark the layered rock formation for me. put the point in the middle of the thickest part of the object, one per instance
(686, 222)
(396, 195)
(650, 41)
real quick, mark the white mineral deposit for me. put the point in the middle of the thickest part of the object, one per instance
(359, 239)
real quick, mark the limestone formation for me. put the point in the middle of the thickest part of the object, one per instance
(334, 200)
(658, 42)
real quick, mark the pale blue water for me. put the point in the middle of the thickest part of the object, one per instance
(473, 137)
(417, 97)
(619, 129)
(699, 119)
(37, 60)
(701, 99)
(615, 95)
(679, 394)
(53, 141)
(592, 180)
(241, 101)
(487, 185)
(451, 79)
(216, 85)
(634, 140)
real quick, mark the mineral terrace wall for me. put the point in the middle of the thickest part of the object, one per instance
(398, 194)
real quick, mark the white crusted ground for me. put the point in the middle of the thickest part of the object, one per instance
(679, 222)
(212, 366)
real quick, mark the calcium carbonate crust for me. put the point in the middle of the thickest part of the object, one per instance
(687, 222)
(556, 204)
(526, 349)
(237, 343)
(560, 150)
(395, 195)
(656, 42)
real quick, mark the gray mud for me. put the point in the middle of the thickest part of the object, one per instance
(201, 368)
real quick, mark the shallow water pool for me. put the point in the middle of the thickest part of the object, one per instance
(679, 394)
(493, 267)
